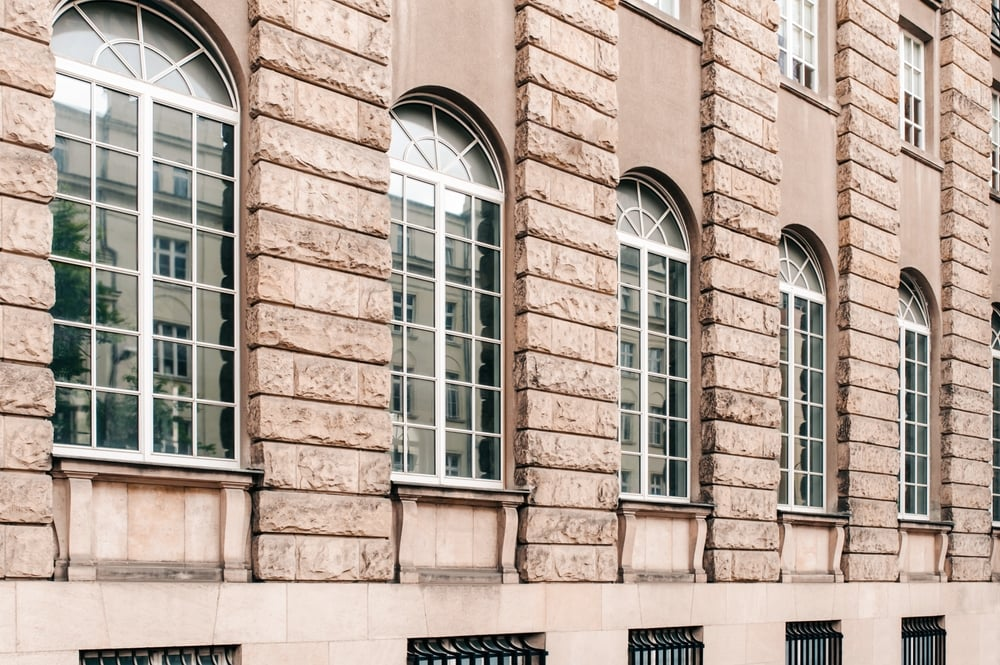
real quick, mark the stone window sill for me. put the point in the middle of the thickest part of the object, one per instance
(458, 495)
(153, 474)
(665, 20)
(921, 156)
(810, 96)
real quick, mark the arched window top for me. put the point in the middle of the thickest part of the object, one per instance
(995, 320)
(140, 43)
(911, 304)
(645, 213)
(426, 135)
(798, 265)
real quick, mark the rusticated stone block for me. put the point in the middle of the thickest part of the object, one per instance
(724, 179)
(568, 489)
(537, 332)
(857, 400)
(567, 563)
(334, 23)
(566, 451)
(29, 551)
(968, 447)
(742, 503)
(564, 376)
(322, 469)
(739, 89)
(25, 497)
(966, 496)
(869, 266)
(867, 375)
(872, 513)
(28, 173)
(322, 514)
(872, 540)
(742, 565)
(733, 406)
(538, 105)
(542, 258)
(535, 180)
(742, 216)
(968, 521)
(869, 430)
(26, 443)
(970, 544)
(25, 227)
(568, 527)
(27, 119)
(534, 294)
(722, 340)
(271, 371)
(740, 374)
(28, 64)
(967, 569)
(720, 436)
(731, 534)
(719, 469)
(534, 27)
(863, 209)
(967, 472)
(27, 282)
(26, 390)
(739, 281)
(740, 121)
(27, 18)
(300, 421)
(743, 155)
(593, 17)
(857, 456)
(311, 60)
(718, 241)
(312, 197)
(538, 219)
(331, 559)
(274, 557)
(26, 335)
(563, 413)
(334, 380)
(568, 154)
(865, 485)
(870, 567)
(322, 334)
(533, 65)
(739, 314)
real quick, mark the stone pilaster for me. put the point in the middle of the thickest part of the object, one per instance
(866, 68)
(966, 379)
(318, 300)
(738, 306)
(27, 289)
(565, 253)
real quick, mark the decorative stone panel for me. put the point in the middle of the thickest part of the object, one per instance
(566, 447)
(661, 542)
(868, 262)
(966, 451)
(317, 292)
(27, 289)
(739, 288)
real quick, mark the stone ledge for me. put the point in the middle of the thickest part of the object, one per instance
(463, 496)
(810, 96)
(148, 473)
(632, 512)
(793, 525)
(921, 156)
(920, 531)
(664, 20)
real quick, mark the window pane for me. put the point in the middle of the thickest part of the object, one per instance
(420, 352)
(72, 293)
(420, 302)
(488, 269)
(116, 118)
(71, 355)
(215, 318)
(216, 146)
(630, 474)
(215, 203)
(116, 179)
(117, 421)
(488, 458)
(489, 417)
(216, 431)
(171, 250)
(487, 222)
(458, 214)
(458, 455)
(72, 102)
(420, 253)
(457, 309)
(71, 422)
(215, 375)
(171, 192)
(419, 203)
(205, 80)
(70, 229)
(215, 260)
(420, 401)
(172, 427)
(117, 237)
(489, 364)
(73, 163)
(117, 300)
(117, 362)
(489, 316)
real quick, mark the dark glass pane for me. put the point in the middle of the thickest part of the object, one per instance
(117, 421)
(489, 364)
(117, 179)
(116, 117)
(488, 458)
(216, 318)
(71, 422)
(117, 361)
(216, 431)
(73, 162)
(172, 427)
(215, 146)
(458, 455)
(117, 300)
(489, 417)
(487, 222)
(215, 203)
(71, 354)
(117, 237)
(72, 293)
(70, 229)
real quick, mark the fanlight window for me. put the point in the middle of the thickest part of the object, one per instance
(144, 240)
(802, 364)
(139, 43)
(446, 392)
(914, 401)
(653, 340)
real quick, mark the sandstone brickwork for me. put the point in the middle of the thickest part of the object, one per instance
(317, 265)
(966, 389)
(866, 67)
(27, 290)
(564, 288)
(739, 289)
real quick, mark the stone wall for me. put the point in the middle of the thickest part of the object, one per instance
(564, 300)
(738, 306)
(27, 289)
(317, 264)
(868, 145)
(966, 377)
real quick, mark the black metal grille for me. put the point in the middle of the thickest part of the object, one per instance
(923, 641)
(812, 643)
(664, 646)
(482, 650)
(995, 26)
(174, 656)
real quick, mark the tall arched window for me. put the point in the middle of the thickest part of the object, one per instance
(803, 391)
(653, 336)
(446, 238)
(144, 238)
(995, 344)
(914, 401)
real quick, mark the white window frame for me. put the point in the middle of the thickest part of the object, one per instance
(995, 431)
(148, 94)
(443, 182)
(643, 409)
(669, 7)
(908, 323)
(912, 82)
(796, 291)
(995, 141)
(794, 40)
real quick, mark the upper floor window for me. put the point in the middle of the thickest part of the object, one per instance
(144, 239)
(797, 38)
(911, 90)
(803, 390)
(670, 7)
(653, 343)
(914, 401)
(447, 361)
(996, 413)
(995, 142)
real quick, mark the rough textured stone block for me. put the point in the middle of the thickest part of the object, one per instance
(26, 390)
(569, 527)
(322, 514)
(284, 419)
(25, 497)
(27, 119)
(29, 551)
(321, 334)
(568, 489)
(566, 377)
(566, 451)
(567, 563)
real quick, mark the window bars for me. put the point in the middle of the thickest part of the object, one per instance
(812, 643)
(172, 656)
(479, 650)
(923, 641)
(664, 646)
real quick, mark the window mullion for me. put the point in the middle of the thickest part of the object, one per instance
(643, 362)
(440, 349)
(145, 252)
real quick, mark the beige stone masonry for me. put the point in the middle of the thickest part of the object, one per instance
(966, 477)
(564, 290)
(317, 291)
(27, 289)
(866, 69)
(738, 302)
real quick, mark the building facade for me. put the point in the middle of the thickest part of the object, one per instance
(339, 331)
